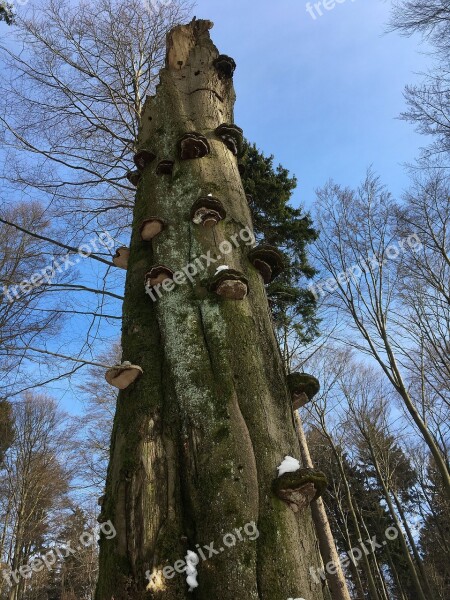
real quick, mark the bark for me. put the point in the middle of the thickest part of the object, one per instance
(198, 437)
(336, 581)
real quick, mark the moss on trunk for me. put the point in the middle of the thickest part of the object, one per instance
(198, 437)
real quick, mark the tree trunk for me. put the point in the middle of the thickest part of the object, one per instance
(198, 437)
(404, 545)
(423, 574)
(373, 594)
(336, 581)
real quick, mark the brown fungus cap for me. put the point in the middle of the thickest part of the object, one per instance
(229, 284)
(193, 145)
(143, 157)
(150, 228)
(268, 260)
(225, 66)
(300, 488)
(121, 376)
(232, 136)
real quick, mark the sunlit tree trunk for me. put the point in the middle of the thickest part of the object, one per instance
(198, 437)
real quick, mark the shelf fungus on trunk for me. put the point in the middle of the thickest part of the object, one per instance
(193, 145)
(165, 167)
(268, 260)
(225, 66)
(121, 376)
(232, 136)
(229, 284)
(120, 259)
(134, 177)
(150, 228)
(157, 275)
(299, 488)
(303, 388)
(143, 157)
(208, 211)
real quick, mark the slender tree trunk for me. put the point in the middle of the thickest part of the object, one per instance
(404, 545)
(367, 568)
(382, 591)
(336, 581)
(198, 437)
(412, 543)
(395, 575)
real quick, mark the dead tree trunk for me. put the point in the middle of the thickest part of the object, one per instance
(197, 438)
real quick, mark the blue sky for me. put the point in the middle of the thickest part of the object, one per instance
(321, 95)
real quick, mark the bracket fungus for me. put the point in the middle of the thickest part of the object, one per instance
(120, 259)
(150, 228)
(134, 177)
(299, 488)
(232, 136)
(225, 66)
(157, 275)
(207, 211)
(143, 158)
(165, 167)
(303, 388)
(268, 260)
(229, 284)
(121, 376)
(193, 145)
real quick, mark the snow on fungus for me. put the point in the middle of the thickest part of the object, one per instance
(121, 257)
(221, 268)
(207, 211)
(289, 465)
(230, 284)
(192, 561)
(299, 488)
(121, 376)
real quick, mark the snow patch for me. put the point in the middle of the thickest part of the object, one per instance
(192, 561)
(221, 268)
(289, 465)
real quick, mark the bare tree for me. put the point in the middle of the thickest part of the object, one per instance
(78, 76)
(361, 251)
(428, 105)
(35, 483)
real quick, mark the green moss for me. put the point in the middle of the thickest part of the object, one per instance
(299, 383)
(294, 481)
